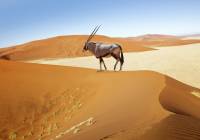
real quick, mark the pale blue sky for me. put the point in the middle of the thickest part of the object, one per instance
(26, 20)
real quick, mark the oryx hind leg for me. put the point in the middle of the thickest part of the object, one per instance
(117, 57)
(121, 66)
(116, 64)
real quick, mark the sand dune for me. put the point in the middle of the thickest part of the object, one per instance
(71, 46)
(154, 37)
(55, 102)
(68, 103)
(177, 101)
(62, 46)
(193, 37)
(181, 63)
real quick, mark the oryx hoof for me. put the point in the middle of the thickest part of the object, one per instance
(99, 70)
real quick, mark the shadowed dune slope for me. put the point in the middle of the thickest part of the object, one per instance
(175, 98)
(55, 102)
(71, 46)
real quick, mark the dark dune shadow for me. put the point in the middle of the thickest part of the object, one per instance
(174, 127)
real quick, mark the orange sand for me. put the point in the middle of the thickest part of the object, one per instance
(55, 102)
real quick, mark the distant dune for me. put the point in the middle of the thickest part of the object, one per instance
(194, 36)
(55, 102)
(154, 37)
(62, 46)
(71, 46)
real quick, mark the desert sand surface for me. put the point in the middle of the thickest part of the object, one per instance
(55, 102)
(71, 46)
(180, 62)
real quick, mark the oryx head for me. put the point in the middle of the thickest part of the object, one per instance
(85, 48)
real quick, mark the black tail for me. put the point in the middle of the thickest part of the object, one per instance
(122, 55)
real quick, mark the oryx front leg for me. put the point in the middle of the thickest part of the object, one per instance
(100, 61)
(103, 63)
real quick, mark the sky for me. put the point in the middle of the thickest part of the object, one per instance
(26, 20)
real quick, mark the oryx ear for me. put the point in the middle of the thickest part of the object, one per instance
(85, 47)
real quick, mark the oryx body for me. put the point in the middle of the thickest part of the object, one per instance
(101, 50)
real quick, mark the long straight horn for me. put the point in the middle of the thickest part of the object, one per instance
(93, 33)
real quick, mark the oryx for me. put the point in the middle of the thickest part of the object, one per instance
(101, 50)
